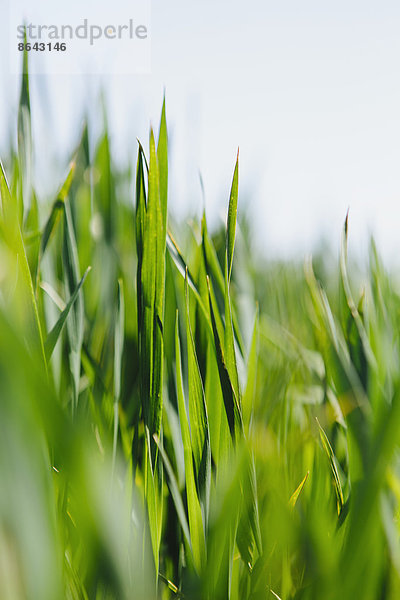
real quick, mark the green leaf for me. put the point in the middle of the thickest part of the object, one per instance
(153, 497)
(105, 196)
(294, 497)
(198, 416)
(332, 461)
(156, 240)
(175, 493)
(350, 301)
(251, 385)
(55, 333)
(71, 282)
(232, 407)
(162, 156)
(54, 217)
(118, 351)
(194, 509)
(348, 387)
(229, 343)
(232, 216)
(213, 268)
(13, 236)
(183, 268)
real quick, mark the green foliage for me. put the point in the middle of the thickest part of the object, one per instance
(189, 420)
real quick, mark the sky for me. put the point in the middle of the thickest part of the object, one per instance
(309, 92)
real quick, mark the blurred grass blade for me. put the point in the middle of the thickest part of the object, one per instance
(349, 298)
(55, 333)
(154, 505)
(54, 217)
(71, 282)
(13, 236)
(294, 497)
(118, 352)
(332, 461)
(251, 384)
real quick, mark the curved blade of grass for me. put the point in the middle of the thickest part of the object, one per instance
(54, 217)
(332, 461)
(55, 333)
(53, 295)
(298, 490)
(183, 268)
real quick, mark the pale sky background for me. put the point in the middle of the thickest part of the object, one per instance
(309, 91)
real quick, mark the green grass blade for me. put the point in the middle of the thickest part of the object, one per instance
(350, 301)
(13, 236)
(153, 499)
(162, 156)
(55, 333)
(118, 352)
(54, 217)
(332, 462)
(213, 268)
(232, 216)
(198, 416)
(146, 300)
(251, 384)
(158, 240)
(194, 509)
(232, 407)
(294, 497)
(71, 282)
(175, 493)
(229, 344)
